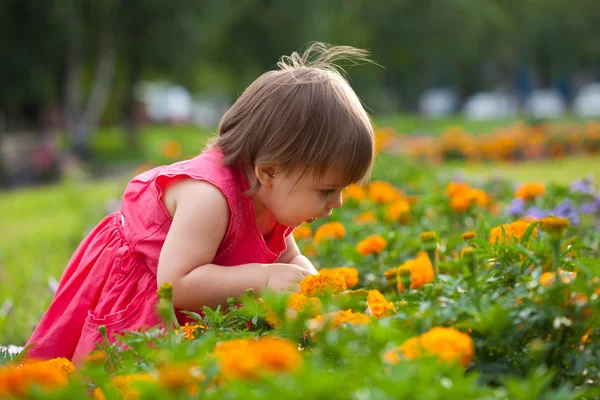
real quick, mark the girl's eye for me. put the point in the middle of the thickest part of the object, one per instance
(328, 192)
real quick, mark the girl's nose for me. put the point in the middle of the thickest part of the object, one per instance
(336, 201)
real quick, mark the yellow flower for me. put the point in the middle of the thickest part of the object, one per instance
(530, 191)
(329, 231)
(350, 274)
(554, 224)
(354, 192)
(249, 358)
(464, 200)
(469, 235)
(320, 285)
(192, 331)
(421, 271)
(373, 244)
(367, 217)
(96, 357)
(398, 211)
(378, 304)
(514, 230)
(383, 192)
(447, 344)
(302, 232)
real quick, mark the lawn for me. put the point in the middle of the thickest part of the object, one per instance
(41, 227)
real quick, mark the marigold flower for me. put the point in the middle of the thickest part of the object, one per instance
(249, 358)
(447, 344)
(367, 217)
(18, 380)
(469, 235)
(548, 278)
(514, 231)
(421, 271)
(192, 331)
(383, 192)
(373, 244)
(321, 285)
(126, 385)
(383, 138)
(180, 375)
(530, 191)
(390, 274)
(170, 149)
(454, 188)
(554, 224)
(302, 232)
(463, 201)
(297, 302)
(349, 274)
(330, 231)
(378, 304)
(398, 211)
(96, 357)
(339, 318)
(354, 192)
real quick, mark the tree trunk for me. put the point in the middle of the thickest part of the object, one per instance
(81, 122)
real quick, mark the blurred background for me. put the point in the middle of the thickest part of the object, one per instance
(99, 86)
(92, 92)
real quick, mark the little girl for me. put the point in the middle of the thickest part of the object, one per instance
(221, 222)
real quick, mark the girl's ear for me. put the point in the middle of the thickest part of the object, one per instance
(265, 174)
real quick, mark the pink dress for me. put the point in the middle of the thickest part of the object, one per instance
(111, 278)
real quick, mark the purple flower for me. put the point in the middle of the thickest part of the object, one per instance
(567, 210)
(516, 208)
(537, 213)
(589, 208)
(584, 186)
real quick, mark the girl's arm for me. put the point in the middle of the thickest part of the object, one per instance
(200, 220)
(292, 255)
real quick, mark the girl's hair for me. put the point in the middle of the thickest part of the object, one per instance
(303, 114)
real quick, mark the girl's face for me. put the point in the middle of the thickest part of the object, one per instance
(293, 199)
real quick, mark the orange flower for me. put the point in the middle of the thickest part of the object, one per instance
(170, 149)
(126, 385)
(339, 318)
(354, 192)
(250, 358)
(383, 138)
(321, 285)
(421, 271)
(464, 200)
(373, 244)
(454, 188)
(298, 302)
(192, 331)
(514, 230)
(18, 380)
(302, 232)
(530, 191)
(447, 344)
(350, 274)
(391, 274)
(398, 211)
(330, 231)
(383, 192)
(378, 304)
(179, 376)
(365, 218)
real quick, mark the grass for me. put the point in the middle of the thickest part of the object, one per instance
(562, 171)
(41, 227)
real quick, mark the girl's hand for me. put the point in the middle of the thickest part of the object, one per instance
(285, 277)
